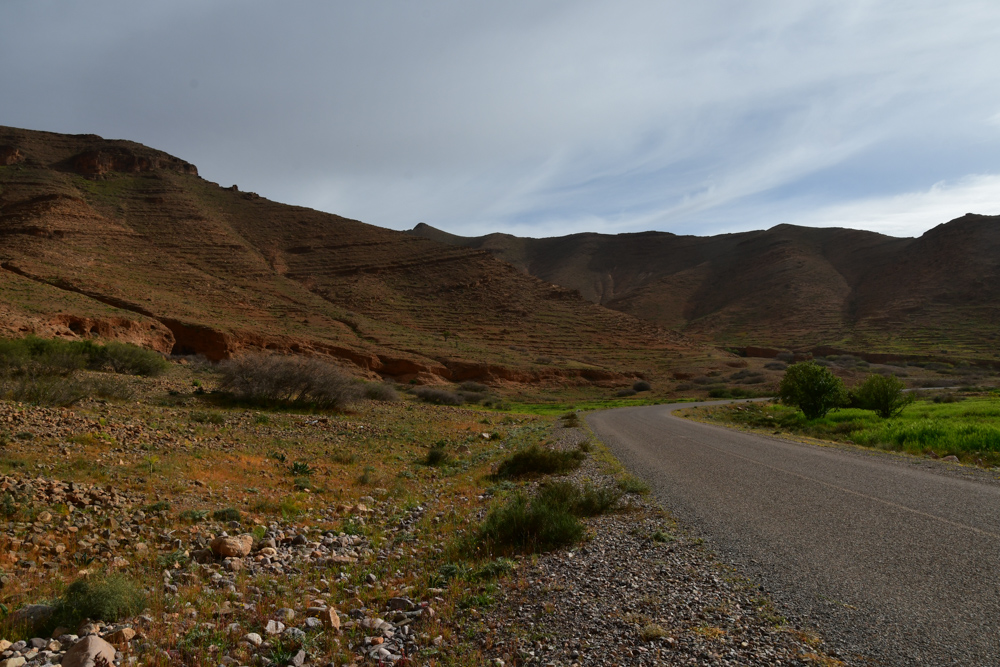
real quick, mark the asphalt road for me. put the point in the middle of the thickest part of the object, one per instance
(897, 559)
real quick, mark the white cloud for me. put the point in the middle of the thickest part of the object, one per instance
(913, 213)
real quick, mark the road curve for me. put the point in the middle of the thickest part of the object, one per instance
(897, 560)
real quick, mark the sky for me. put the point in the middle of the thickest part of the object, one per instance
(540, 118)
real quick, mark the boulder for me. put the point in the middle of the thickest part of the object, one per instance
(89, 652)
(232, 547)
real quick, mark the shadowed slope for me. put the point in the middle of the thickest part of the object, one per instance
(129, 242)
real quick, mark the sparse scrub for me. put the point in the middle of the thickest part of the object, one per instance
(473, 387)
(641, 385)
(437, 456)
(528, 525)
(207, 417)
(775, 366)
(44, 390)
(537, 461)
(281, 380)
(380, 391)
(438, 396)
(625, 393)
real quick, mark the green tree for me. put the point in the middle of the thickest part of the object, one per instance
(882, 394)
(812, 388)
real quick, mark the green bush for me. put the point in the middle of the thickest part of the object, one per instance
(882, 394)
(537, 461)
(107, 598)
(127, 360)
(631, 484)
(60, 357)
(207, 417)
(528, 525)
(813, 389)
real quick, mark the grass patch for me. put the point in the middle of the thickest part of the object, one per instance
(106, 597)
(969, 429)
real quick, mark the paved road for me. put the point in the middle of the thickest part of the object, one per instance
(898, 560)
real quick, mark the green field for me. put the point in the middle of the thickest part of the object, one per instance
(968, 428)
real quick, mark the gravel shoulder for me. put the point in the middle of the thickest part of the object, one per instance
(642, 589)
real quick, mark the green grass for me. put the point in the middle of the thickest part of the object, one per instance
(968, 429)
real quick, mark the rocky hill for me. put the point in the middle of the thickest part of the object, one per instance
(787, 287)
(116, 240)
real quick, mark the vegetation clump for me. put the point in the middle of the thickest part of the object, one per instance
(438, 396)
(882, 394)
(108, 598)
(641, 385)
(812, 388)
(535, 460)
(548, 520)
(285, 380)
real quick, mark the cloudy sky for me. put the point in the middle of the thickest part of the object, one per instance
(540, 118)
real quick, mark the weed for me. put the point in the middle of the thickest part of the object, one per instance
(661, 537)
(207, 417)
(160, 506)
(227, 514)
(367, 476)
(652, 631)
(527, 525)
(193, 516)
(631, 484)
(261, 419)
(300, 469)
(9, 507)
(437, 456)
(438, 396)
(344, 458)
(302, 483)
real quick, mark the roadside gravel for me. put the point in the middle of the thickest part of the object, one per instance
(640, 590)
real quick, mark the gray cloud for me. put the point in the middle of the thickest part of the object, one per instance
(534, 118)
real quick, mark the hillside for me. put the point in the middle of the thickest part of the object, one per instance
(117, 240)
(786, 287)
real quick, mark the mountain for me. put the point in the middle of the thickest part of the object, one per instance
(120, 241)
(787, 287)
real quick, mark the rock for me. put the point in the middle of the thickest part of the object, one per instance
(121, 637)
(253, 638)
(274, 627)
(299, 659)
(32, 614)
(371, 578)
(285, 614)
(294, 634)
(87, 651)
(331, 619)
(951, 457)
(401, 604)
(16, 661)
(232, 547)
(4, 645)
(38, 643)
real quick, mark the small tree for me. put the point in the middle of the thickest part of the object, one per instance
(882, 394)
(812, 388)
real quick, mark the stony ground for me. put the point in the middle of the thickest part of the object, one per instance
(247, 557)
(639, 591)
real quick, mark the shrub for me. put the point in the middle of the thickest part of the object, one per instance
(127, 359)
(112, 387)
(775, 366)
(537, 461)
(379, 391)
(300, 469)
(882, 394)
(159, 506)
(537, 524)
(624, 393)
(44, 390)
(812, 388)
(207, 417)
(571, 420)
(438, 396)
(193, 516)
(641, 385)
(272, 379)
(437, 456)
(595, 500)
(107, 598)
(473, 387)
(228, 514)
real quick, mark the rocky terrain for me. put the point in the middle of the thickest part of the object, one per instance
(114, 240)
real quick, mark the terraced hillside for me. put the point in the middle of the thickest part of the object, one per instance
(786, 287)
(114, 239)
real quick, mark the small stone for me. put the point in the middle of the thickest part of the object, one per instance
(121, 637)
(438, 641)
(16, 661)
(253, 638)
(951, 457)
(371, 578)
(299, 658)
(4, 645)
(294, 634)
(274, 627)
(87, 651)
(285, 614)
(401, 604)
(312, 623)
(331, 619)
